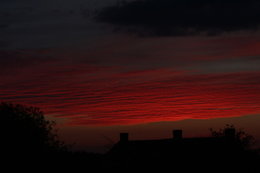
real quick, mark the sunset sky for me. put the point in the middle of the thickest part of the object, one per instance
(101, 67)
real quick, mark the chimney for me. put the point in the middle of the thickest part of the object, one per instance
(123, 137)
(230, 133)
(177, 134)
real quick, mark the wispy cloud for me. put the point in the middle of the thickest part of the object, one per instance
(88, 94)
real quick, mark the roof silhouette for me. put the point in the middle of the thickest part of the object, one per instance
(174, 145)
(177, 152)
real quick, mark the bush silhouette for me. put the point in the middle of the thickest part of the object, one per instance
(25, 131)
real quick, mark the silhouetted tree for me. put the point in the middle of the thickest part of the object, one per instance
(25, 130)
(245, 139)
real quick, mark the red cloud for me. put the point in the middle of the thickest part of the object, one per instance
(96, 95)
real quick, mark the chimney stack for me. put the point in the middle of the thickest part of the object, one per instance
(123, 137)
(177, 134)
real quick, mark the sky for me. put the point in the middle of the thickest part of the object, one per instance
(101, 67)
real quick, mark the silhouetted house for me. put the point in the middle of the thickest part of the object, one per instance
(174, 145)
(174, 151)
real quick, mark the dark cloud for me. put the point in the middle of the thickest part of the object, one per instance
(183, 17)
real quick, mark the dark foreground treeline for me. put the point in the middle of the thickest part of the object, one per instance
(29, 143)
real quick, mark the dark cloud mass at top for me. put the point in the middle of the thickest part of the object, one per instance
(183, 17)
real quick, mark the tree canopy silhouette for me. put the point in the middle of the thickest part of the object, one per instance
(25, 130)
(241, 136)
